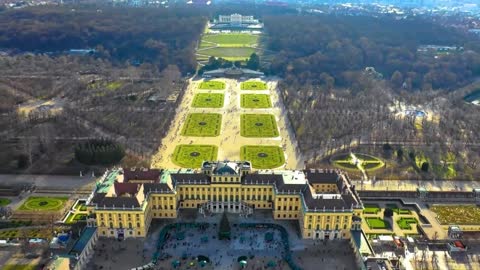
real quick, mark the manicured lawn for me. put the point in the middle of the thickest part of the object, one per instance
(114, 85)
(457, 214)
(207, 100)
(399, 211)
(255, 101)
(81, 206)
(202, 125)
(258, 126)
(238, 39)
(377, 223)
(371, 209)
(367, 162)
(212, 85)
(253, 85)
(74, 218)
(43, 203)
(229, 53)
(405, 223)
(262, 156)
(192, 156)
(4, 201)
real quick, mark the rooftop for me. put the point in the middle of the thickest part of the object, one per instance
(104, 186)
(86, 235)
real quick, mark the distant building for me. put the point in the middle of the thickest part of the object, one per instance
(237, 19)
(233, 73)
(236, 22)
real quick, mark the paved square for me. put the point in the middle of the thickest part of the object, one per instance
(202, 125)
(258, 126)
(208, 100)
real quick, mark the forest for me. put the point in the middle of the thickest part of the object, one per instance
(118, 34)
(332, 50)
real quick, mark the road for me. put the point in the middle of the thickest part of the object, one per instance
(49, 181)
(412, 185)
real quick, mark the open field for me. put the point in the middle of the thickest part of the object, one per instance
(43, 203)
(457, 214)
(255, 101)
(238, 39)
(208, 100)
(262, 156)
(376, 223)
(258, 125)
(192, 156)
(212, 85)
(202, 125)
(253, 85)
(229, 53)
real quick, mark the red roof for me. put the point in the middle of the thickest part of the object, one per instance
(126, 188)
(458, 244)
(141, 174)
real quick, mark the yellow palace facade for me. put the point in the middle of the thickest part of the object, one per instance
(323, 202)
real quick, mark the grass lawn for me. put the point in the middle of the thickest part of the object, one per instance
(207, 100)
(368, 163)
(4, 201)
(404, 223)
(376, 223)
(255, 101)
(74, 218)
(202, 125)
(81, 206)
(114, 85)
(258, 126)
(43, 203)
(229, 53)
(253, 85)
(397, 210)
(192, 156)
(457, 214)
(371, 209)
(19, 267)
(238, 39)
(212, 85)
(262, 156)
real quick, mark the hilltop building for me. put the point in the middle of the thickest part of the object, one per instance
(236, 19)
(236, 22)
(323, 202)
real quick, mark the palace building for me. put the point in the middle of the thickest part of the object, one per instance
(324, 202)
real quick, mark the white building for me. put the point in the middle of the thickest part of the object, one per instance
(237, 19)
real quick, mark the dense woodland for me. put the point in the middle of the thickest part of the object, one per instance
(119, 34)
(332, 50)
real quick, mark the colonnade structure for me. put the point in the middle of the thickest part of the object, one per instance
(324, 202)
